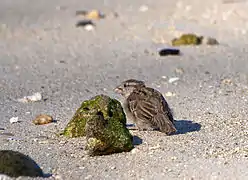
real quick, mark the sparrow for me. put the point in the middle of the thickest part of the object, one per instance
(146, 107)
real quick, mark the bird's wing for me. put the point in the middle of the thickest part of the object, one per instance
(148, 105)
(144, 104)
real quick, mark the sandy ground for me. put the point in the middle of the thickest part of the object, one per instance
(41, 50)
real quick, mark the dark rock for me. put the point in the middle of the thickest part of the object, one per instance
(167, 52)
(83, 23)
(15, 164)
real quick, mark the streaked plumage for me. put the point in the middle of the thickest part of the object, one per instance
(146, 107)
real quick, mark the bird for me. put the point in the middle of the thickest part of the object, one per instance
(146, 107)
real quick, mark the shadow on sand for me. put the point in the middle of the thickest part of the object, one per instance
(137, 140)
(185, 126)
(182, 126)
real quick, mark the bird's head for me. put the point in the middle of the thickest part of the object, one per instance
(128, 86)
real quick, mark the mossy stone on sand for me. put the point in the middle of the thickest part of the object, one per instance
(103, 122)
(187, 39)
(15, 164)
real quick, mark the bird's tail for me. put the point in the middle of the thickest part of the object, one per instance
(164, 123)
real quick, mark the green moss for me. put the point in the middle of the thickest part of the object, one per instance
(94, 144)
(76, 127)
(103, 122)
(15, 164)
(187, 39)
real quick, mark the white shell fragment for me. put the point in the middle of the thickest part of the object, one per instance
(13, 120)
(33, 98)
(89, 27)
(173, 79)
(134, 151)
(170, 94)
(143, 8)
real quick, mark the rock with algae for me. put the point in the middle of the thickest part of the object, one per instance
(103, 122)
(15, 164)
(187, 39)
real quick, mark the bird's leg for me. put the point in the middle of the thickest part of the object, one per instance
(143, 126)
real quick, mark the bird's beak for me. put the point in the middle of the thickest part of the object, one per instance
(118, 90)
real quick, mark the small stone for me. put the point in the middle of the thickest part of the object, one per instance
(226, 81)
(113, 167)
(14, 120)
(42, 119)
(169, 51)
(187, 39)
(179, 70)
(93, 14)
(225, 163)
(84, 23)
(173, 79)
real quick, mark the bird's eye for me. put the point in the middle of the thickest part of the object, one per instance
(125, 85)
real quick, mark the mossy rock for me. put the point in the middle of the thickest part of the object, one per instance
(187, 39)
(103, 122)
(15, 164)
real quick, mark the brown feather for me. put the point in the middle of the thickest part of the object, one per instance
(146, 106)
(149, 106)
